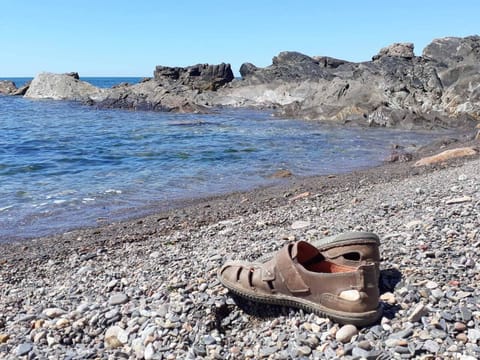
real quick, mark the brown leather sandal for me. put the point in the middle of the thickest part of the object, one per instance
(300, 276)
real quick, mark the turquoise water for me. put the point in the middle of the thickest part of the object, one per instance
(65, 165)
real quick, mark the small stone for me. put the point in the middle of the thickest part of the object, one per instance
(417, 313)
(466, 314)
(413, 224)
(431, 346)
(431, 285)
(389, 298)
(458, 326)
(149, 352)
(155, 254)
(462, 337)
(267, 351)
(51, 340)
(111, 337)
(473, 335)
(403, 334)
(38, 323)
(209, 340)
(453, 348)
(345, 333)
(401, 350)
(360, 353)
(118, 299)
(300, 224)
(438, 334)
(424, 335)
(112, 313)
(315, 328)
(249, 353)
(24, 349)
(62, 323)
(391, 342)
(39, 336)
(437, 293)
(304, 350)
(111, 284)
(200, 350)
(4, 338)
(54, 312)
(458, 200)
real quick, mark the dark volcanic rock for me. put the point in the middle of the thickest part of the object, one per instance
(73, 74)
(452, 51)
(200, 76)
(287, 66)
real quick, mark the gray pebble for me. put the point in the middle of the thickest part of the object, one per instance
(431, 346)
(118, 299)
(473, 335)
(24, 349)
(402, 334)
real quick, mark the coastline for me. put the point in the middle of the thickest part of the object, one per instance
(151, 281)
(208, 209)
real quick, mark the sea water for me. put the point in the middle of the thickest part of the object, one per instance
(65, 165)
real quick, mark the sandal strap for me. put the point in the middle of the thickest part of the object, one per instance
(289, 273)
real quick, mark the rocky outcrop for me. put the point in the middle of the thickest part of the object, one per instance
(7, 87)
(63, 87)
(200, 76)
(288, 66)
(441, 88)
(402, 50)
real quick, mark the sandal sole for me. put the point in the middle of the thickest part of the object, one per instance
(342, 317)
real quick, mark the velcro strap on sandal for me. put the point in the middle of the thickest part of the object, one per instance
(289, 273)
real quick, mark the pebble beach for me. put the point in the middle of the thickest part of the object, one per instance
(147, 288)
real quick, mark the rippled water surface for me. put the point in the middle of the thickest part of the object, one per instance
(65, 165)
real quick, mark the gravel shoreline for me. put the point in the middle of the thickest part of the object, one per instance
(147, 288)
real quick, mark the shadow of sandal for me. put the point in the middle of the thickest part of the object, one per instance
(389, 278)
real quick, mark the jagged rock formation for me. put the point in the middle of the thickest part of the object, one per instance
(438, 89)
(396, 88)
(200, 76)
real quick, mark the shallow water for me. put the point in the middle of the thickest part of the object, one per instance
(64, 165)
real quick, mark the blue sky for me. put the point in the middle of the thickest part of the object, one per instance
(128, 38)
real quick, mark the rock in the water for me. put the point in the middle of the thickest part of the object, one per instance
(62, 87)
(7, 87)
